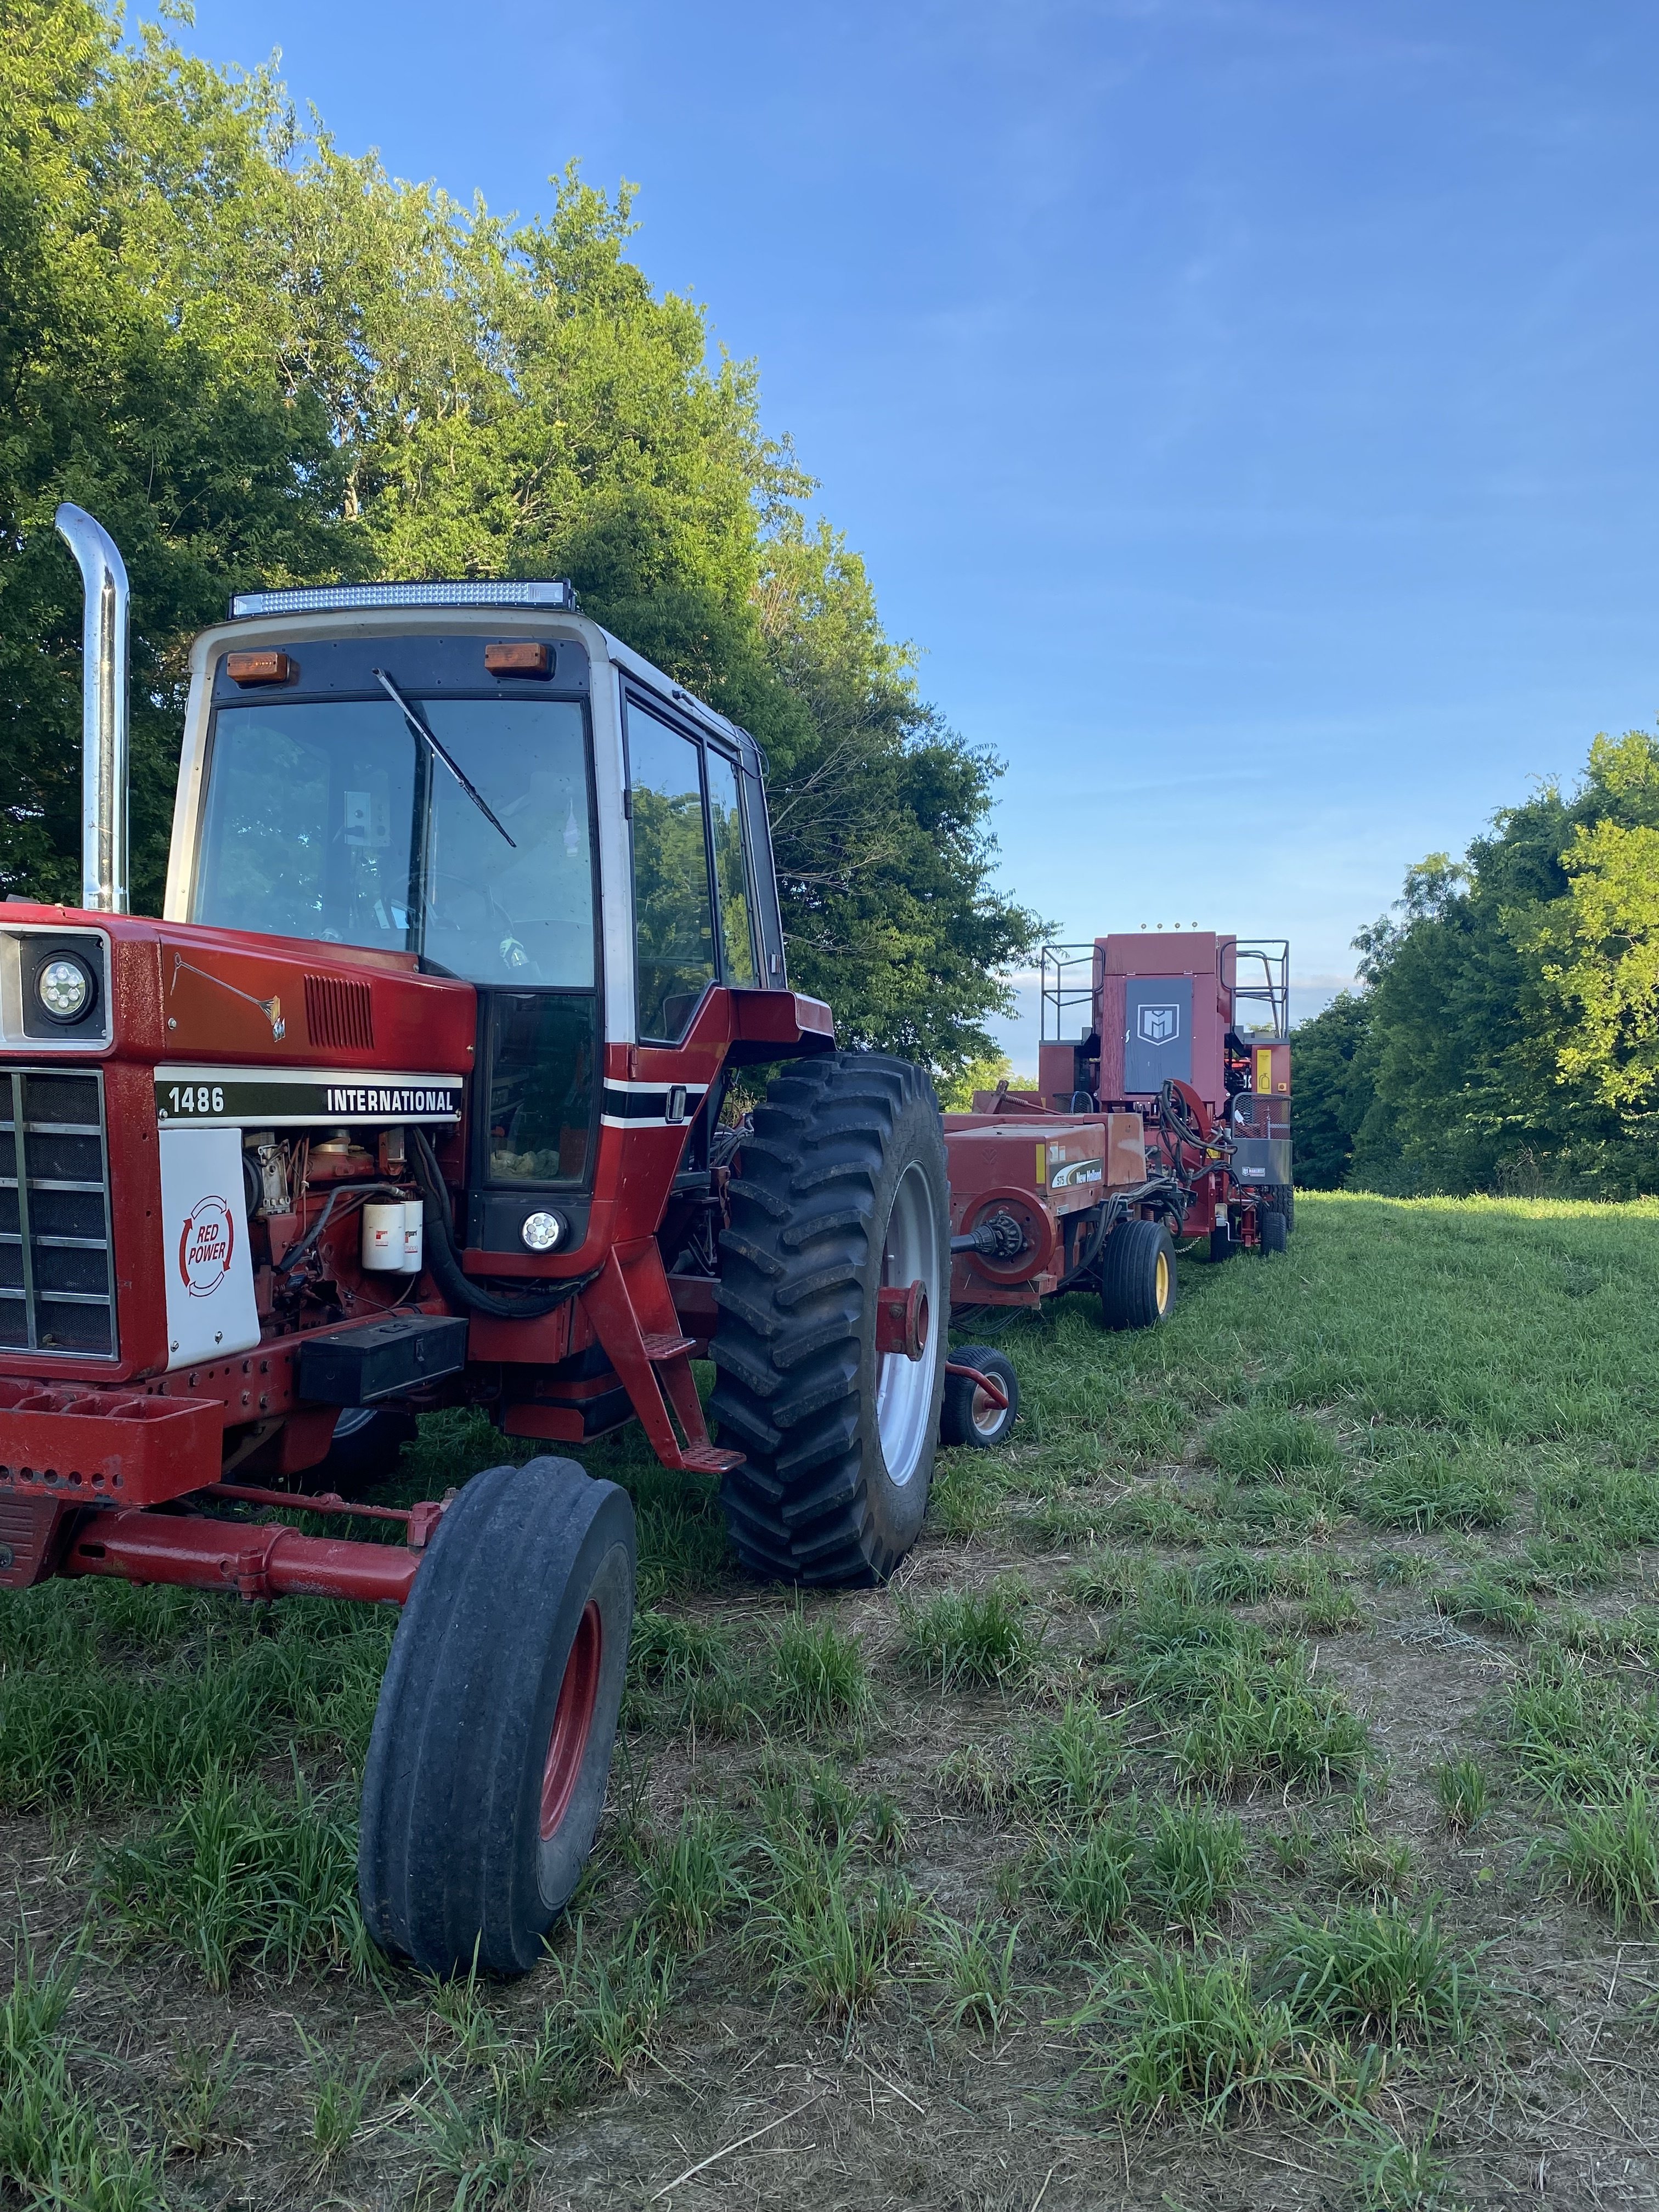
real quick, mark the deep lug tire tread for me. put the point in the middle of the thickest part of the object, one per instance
(801, 1263)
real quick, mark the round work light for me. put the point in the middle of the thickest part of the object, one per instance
(542, 1232)
(64, 987)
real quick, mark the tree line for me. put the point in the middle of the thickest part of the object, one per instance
(1504, 1034)
(259, 359)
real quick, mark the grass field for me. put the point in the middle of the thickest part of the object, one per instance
(1248, 1795)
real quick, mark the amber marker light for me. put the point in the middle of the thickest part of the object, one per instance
(246, 668)
(520, 657)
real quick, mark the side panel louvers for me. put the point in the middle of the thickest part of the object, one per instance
(339, 1013)
(56, 1265)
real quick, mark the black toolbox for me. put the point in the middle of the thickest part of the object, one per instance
(378, 1359)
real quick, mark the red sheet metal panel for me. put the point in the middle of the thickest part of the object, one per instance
(92, 1445)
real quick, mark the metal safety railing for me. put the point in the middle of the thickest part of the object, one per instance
(1261, 987)
(1064, 997)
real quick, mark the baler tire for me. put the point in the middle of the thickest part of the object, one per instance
(492, 1740)
(845, 1174)
(369, 1442)
(1274, 1228)
(963, 1418)
(1137, 1275)
(1282, 1197)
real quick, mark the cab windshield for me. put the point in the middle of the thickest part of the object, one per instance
(330, 819)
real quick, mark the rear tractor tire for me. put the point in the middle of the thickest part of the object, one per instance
(970, 1415)
(1137, 1275)
(492, 1740)
(839, 1194)
(369, 1442)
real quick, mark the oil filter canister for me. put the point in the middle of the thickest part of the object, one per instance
(383, 1237)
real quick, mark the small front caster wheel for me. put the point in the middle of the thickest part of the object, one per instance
(970, 1413)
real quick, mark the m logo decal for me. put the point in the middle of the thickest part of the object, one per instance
(1158, 1024)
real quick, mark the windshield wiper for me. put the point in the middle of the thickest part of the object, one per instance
(446, 757)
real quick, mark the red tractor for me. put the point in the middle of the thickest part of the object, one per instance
(1162, 1114)
(415, 1098)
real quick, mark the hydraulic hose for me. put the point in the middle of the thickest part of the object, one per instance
(445, 1260)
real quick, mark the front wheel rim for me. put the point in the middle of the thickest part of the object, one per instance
(904, 1388)
(572, 1720)
(1162, 1286)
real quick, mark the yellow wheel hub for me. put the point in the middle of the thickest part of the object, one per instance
(1163, 1282)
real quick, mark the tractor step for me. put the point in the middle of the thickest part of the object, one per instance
(709, 1459)
(659, 1348)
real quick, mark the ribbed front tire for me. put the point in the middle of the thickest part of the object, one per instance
(487, 1767)
(840, 1192)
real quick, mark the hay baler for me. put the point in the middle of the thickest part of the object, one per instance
(1161, 1115)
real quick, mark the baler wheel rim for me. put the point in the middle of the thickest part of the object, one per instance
(984, 1411)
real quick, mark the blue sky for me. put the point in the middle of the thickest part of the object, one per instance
(1246, 409)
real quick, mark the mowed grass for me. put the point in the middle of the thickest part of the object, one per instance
(1270, 1733)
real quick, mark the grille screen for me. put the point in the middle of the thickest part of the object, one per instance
(56, 1276)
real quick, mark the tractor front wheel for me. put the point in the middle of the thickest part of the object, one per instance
(839, 1228)
(491, 1748)
(1137, 1275)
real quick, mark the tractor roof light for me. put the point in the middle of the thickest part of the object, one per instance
(342, 598)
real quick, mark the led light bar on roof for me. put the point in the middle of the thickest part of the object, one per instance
(339, 598)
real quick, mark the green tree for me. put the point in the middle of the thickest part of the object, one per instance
(1331, 1093)
(137, 377)
(1507, 1030)
(257, 358)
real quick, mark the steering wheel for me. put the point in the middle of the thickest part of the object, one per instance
(501, 921)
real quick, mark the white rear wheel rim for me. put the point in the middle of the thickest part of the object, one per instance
(904, 1388)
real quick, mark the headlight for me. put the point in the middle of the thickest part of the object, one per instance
(542, 1232)
(64, 987)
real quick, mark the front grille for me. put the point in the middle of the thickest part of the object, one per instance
(339, 1013)
(57, 1262)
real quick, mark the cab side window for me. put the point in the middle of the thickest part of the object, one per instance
(673, 908)
(731, 870)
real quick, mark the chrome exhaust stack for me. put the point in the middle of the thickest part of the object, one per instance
(104, 715)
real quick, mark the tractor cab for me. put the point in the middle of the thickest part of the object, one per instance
(475, 782)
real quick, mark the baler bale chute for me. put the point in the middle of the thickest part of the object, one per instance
(414, 1097)
(1161, 1116)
